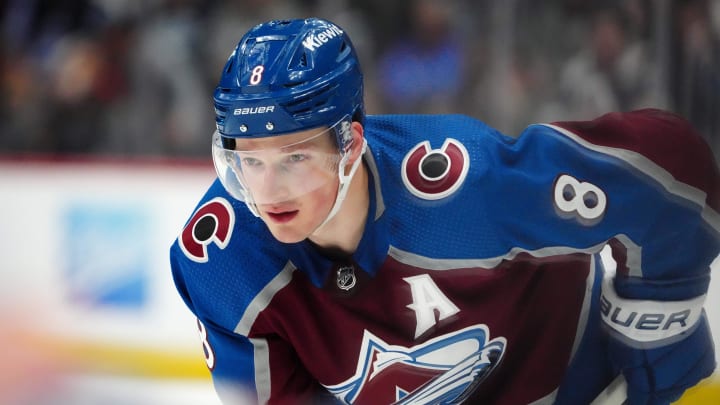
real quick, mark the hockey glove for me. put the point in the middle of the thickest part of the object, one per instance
(662, 348)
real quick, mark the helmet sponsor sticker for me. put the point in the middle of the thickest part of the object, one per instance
(314, 41)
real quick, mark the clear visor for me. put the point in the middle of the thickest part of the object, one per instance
(277, 169)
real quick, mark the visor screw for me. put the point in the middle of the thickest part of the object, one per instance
(269, 126)
(243, 128)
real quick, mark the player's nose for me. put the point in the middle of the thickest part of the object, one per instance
(274, 186)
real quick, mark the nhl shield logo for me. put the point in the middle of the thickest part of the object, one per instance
(346, 278)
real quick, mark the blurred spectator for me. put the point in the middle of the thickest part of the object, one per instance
(696, 67)
(424, 70)
(513, 49)
(43, 72)
(614, 71)
(75, 73)
(36, 26)
(169, 112)
(129, 78)
(20, 99)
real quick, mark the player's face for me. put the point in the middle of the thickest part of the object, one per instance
(292, 179)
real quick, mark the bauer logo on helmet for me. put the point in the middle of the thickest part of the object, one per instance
(254, 110)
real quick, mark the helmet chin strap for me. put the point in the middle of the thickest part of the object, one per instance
(344, 183)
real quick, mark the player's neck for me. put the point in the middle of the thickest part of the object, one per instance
(345, 229)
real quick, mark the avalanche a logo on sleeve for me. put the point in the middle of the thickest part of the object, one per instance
(444, 370)
(432, 174)
(211, 223)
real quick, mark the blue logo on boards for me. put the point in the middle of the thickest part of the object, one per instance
(107, 251)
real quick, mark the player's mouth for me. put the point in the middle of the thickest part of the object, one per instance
(282, 217)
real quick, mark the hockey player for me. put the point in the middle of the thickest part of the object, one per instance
(433, 260)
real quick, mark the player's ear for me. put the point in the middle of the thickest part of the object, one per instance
(357, 141)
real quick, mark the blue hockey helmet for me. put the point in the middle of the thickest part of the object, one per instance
(286, 76)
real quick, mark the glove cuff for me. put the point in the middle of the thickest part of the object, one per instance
(647, 323)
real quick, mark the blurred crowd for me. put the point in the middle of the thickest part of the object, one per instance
(135, 77)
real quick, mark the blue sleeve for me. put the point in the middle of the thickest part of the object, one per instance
(231, 360)
(644, 181)
(228, 356)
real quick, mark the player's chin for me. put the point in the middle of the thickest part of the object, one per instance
(287, 235)
(286, 231)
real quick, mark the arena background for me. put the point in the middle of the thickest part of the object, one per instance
(105, 120)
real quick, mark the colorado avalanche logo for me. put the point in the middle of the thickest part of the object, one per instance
(212, 223)
(444, 370)
(432, 174)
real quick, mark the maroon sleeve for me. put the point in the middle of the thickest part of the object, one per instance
(665, 138)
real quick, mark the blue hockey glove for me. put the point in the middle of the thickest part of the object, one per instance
(662, 348)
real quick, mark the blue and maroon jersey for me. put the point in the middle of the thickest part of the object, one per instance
(478, 274)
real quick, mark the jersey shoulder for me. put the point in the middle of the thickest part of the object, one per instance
(443, 146)
(433, 175)
(662, 138)
(398, 132)
(431, 156)
(223, 258)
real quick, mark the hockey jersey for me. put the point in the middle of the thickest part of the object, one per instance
(477, 276)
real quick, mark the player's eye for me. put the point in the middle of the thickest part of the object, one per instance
(297, 157)
(251, 162)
